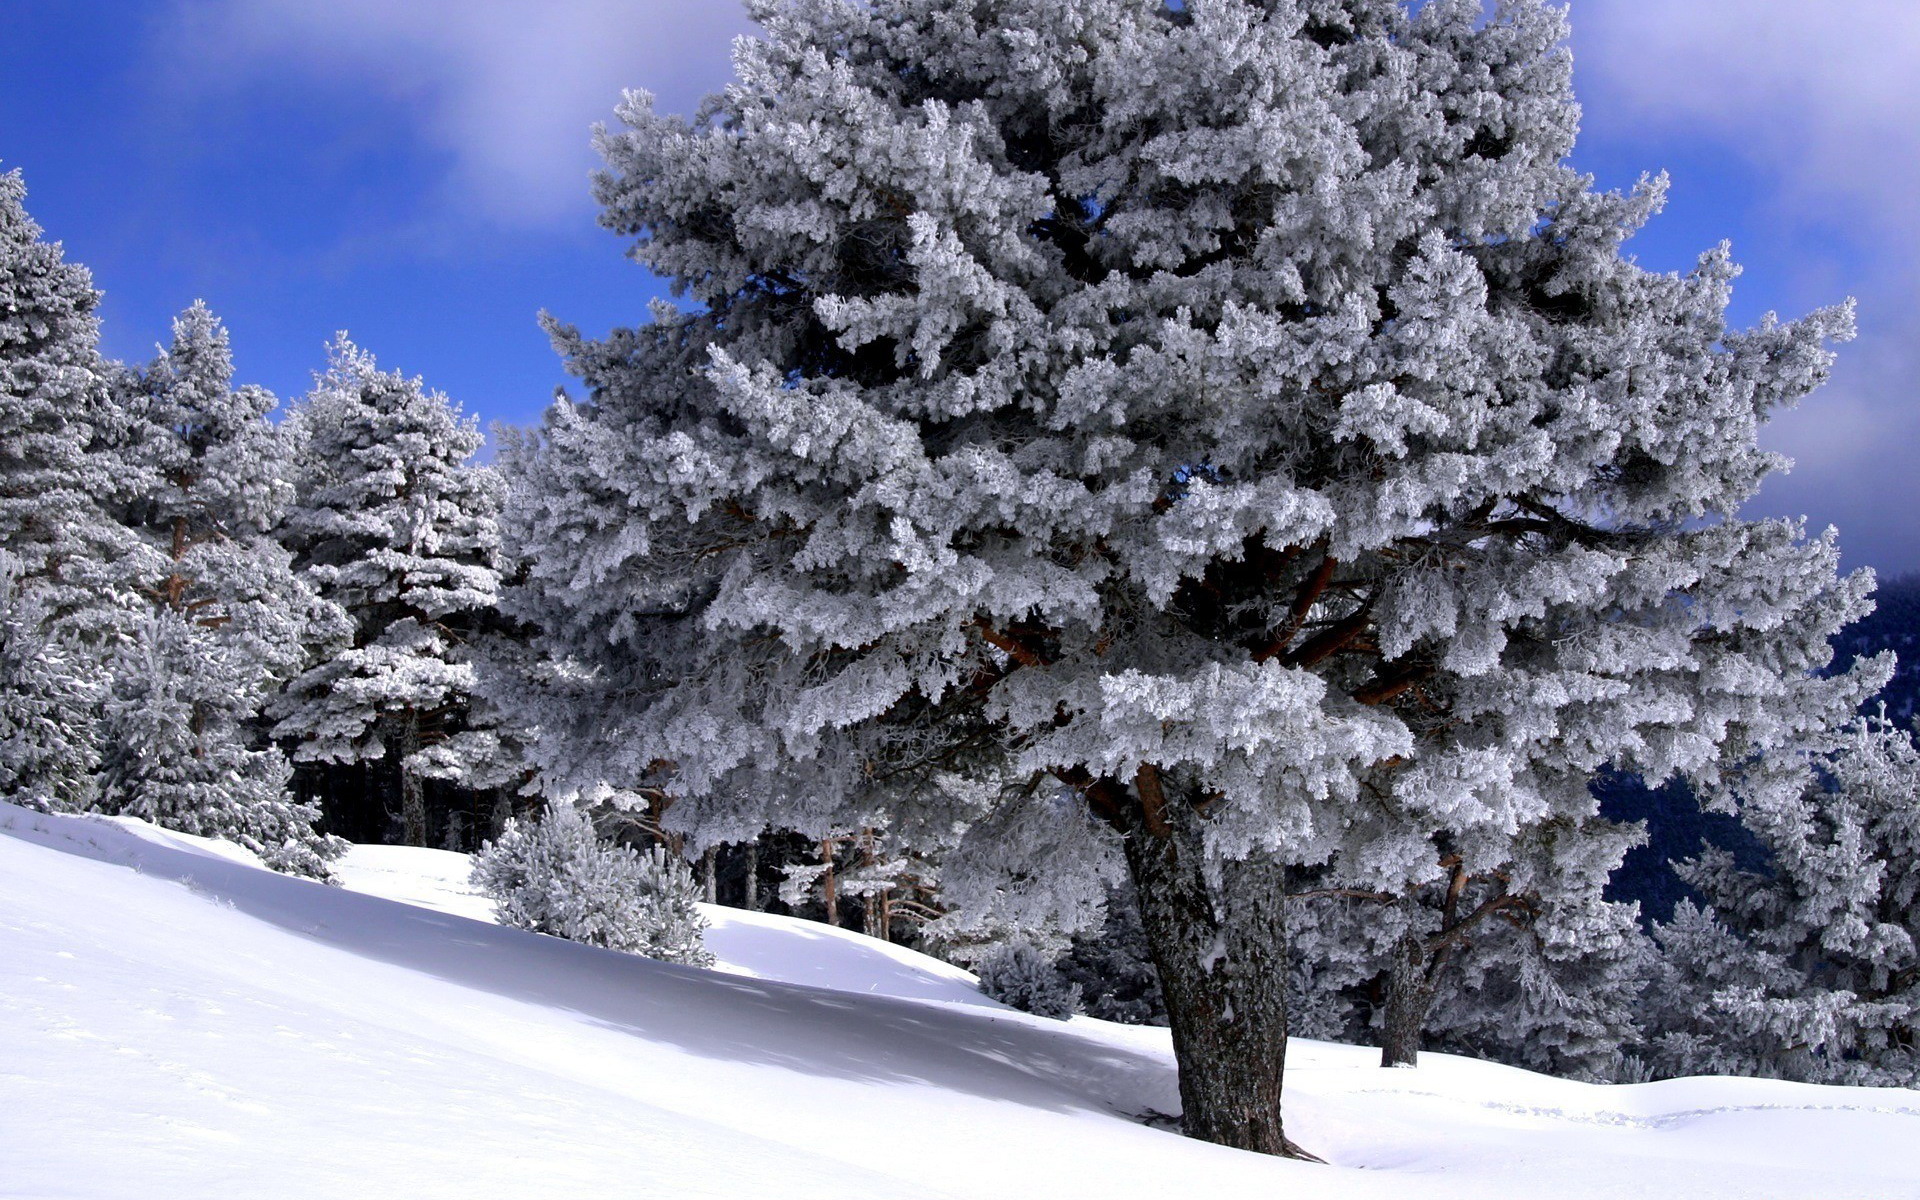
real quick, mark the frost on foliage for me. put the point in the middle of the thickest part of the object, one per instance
(1020, 976)
(557, 876)
(1560, 993)
(174, 752)
(1247, 393)
(1028, 871)
(49, 704)
(1807, 969)
(58, 470)
(392, 524)
(227, 620)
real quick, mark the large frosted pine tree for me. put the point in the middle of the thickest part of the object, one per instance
(49, 706)
(394, 525)
(1236, 412)
(228, 620)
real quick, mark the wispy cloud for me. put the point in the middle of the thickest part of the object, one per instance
(1821, 97)
(506, 90)
(1821, 100)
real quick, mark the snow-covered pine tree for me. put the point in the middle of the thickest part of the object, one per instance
(58, 471)
(1112, 965)
(1238, 412)
(231, 622)
(892, 883)
(396, 526)
(1020, 975)
(1809, 968)
(1526, 961)
(49, 706)
(179, 756)
(1553, 983)
(217, 472)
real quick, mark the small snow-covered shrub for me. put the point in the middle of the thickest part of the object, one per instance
(556, 876)
(1113, 968)
(1019, 976)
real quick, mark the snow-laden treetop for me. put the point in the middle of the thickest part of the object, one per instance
(1234, 406)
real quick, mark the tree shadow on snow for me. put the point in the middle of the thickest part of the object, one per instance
(982, 1051)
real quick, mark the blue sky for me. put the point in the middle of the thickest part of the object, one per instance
(415, 171)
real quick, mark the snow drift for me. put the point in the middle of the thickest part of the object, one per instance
(177, 1021)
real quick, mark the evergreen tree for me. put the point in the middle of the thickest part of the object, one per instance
(218, 485)
(1511, 957)
(1235, 412)
(1553, 985)
(1808, 968)
(1113, 966)
(49, 705)
(230, 622)
(179, 756)
(394, 525)
(57, 468)
(892, 883)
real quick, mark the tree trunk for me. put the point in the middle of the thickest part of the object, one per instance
(1418, 964)
(830, 887)
(870, 902)
(413, 797)
(751, 899)
(709, 883)
(1409, 995)
(1221, 955)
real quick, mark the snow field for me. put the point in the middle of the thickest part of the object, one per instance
(177, 1022)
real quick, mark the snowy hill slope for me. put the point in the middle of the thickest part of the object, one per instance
(175, 1022)
(756, 945)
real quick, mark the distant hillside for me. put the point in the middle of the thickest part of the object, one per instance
(1676, 829)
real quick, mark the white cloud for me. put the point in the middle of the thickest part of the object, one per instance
(507, 89)
(1825, 98)
(1822, 100)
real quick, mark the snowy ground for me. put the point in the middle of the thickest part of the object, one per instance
(176, 1022)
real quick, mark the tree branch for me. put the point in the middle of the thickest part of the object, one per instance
(1303, 602)
(1153, 800)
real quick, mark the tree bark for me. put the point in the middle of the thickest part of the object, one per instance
(751, 898)
(413, 798)
(1410, 990)
(1221, 955)
(709, 882)
(830, 887)
(871, 923)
